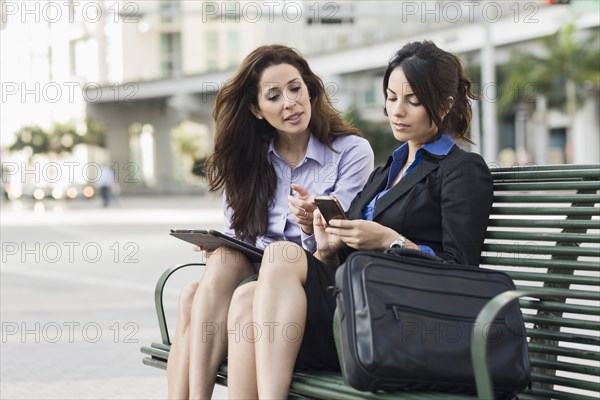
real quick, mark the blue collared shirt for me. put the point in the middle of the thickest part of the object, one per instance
(342, 172)
(440, 147)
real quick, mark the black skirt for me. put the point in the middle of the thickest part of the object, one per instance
(317, 350)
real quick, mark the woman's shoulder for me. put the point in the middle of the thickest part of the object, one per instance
(344, 142)
(460, 162)
(458, 154)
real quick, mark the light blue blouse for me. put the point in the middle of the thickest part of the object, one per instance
(342, 172)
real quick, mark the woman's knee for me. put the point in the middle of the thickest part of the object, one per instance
(283, 259)
(225, 267)
(240, 309)
(187, 293)
(186, 299)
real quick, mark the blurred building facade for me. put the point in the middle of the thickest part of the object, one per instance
(149, 70)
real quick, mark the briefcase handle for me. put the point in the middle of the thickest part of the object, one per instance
(399, 251)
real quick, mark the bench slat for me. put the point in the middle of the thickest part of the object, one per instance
(560, 307)
(563, 351)
(564, 337)
(544, 223)
(543, 393)
(569, 382)
(540, 263)
(545, 186)
(162, 364)
(555, 278)
(551, 167)
(155, 353)
(520, 175)
(527, 248)
(564, 366)
(562, 322)
(570, 211)
(162, 346)
(541, 198)
(550, 237)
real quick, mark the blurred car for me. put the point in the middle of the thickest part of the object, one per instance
(73, 191)
(46, 191)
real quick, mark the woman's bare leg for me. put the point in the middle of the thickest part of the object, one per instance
(225, 269)
(178, 365)
(241, 365)
(279, 301)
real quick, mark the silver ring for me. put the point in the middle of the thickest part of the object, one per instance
(305, 216)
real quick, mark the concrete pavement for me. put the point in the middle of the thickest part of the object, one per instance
(72, 325)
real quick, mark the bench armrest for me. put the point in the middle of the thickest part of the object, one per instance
(158, 299)
(487, 315)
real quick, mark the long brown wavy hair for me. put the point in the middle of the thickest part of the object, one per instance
(434, 75)
(239, 163)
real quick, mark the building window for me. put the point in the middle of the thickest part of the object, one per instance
(169, 11)
(170, 53)
(369, 97)
(212, 41)
(83, 59)
(233, 48)
(212, 64)
(212, 50)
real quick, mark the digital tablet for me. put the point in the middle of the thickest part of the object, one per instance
(211, 239)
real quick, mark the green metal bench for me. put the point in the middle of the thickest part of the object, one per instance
(545, 233)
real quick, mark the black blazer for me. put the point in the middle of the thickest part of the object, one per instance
(443, 203)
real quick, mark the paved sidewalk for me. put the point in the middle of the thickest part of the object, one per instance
(72, 328)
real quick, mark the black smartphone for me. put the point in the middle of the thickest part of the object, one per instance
(330, 208)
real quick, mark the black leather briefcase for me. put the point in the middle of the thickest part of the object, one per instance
(406, 322)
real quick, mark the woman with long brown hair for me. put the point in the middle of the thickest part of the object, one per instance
(279, 141)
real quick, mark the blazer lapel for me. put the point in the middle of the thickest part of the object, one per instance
(425, 168)
(372, 189)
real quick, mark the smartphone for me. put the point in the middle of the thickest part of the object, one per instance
(330, 207)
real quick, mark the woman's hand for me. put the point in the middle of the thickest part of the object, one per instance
(327, 244)
(303, 208)
(361, 234)
(206, 253)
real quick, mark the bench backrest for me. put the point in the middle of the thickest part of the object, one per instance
(545, 232)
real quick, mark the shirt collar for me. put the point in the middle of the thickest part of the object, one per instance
(315, 150)
(440, 147)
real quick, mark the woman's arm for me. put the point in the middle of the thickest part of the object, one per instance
(354, 169)
(466, 200)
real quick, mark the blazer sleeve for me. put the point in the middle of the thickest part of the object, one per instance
(466, 201)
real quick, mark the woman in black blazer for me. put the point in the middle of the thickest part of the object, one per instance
(431, 195)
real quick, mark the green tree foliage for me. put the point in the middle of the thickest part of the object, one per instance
(95, 134)
(379, 136)
(33, 137)
(62, 138)
(566, 62)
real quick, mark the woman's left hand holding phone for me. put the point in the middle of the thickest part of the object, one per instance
(361, 234)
